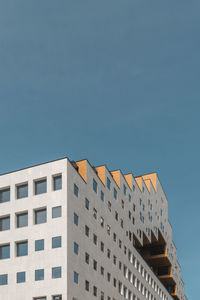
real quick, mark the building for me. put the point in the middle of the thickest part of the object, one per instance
(71, 231)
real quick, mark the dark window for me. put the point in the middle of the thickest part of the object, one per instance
(22, 248)
(102, 271)
(4, 279)
(102, 296)
(22, 191)
(59, 297)
(40, 216)
(87, 203)
(95, 213)
(5, 195)
(95, 291)
(95, 186)
(39, 245)
(87, 230)
(4, 223)
(102, 246)
(87, 258)
(57, 182)
(21, 277)
(39, 275)
(95, 265)
(108, 253)
(115, 193)
(56, 242)
(129, 198)
(76, 248)
(122, 203)
(56, 212)
(75, 277)
(102, 196)
(124, 189)
(108, 183)
(4, 251)
(40, 187)
(40, 298)
(95, 239)
(87, 285)
(75, 190)
(75, 219)
(22, 220)
(57, 272)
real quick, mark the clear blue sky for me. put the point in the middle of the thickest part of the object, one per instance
(114, 81)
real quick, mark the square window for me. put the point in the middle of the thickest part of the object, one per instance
(40, 216)
(40, 298)
(56, 242)
(108, 183)
(75, 190)
(57, 272)
(5, 251)
(40, 186)
(5, 195)
(87, 203)
(75, 219)
(76, 248)
(4, 279)
(22, 191)
(75, 277)
(56, 212)
(22, 248)
(21, 277)
(39, 245)
(39, 275)
(94, 186)
(22, 220)
(57, 182)
(4, 223)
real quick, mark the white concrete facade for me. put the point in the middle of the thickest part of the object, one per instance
(112, 262)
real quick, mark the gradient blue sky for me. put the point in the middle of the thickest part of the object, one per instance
(114, 81)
